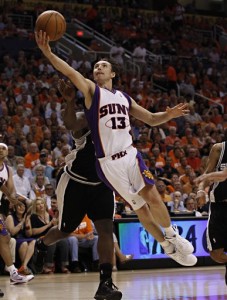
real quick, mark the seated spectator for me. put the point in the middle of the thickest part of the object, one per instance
(83, 237)
(21, 182)
(182, 166)
(123, 258)
(159, 158)
(41, 222)
(48, 170)
(161, 187)
(38, 187)
(177, 203)
(193, 159)
(191, 205)
(31, 159)
(171, 138)
(155, 170)
(176, 153)
(190, 187)
(50, 197)
(185, 177)
(19, 227)
(168, 170)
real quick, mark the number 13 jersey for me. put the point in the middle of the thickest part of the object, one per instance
(109, 120)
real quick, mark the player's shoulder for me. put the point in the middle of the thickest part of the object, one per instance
(217, 147)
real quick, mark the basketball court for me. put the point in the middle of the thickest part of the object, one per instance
(204, 283)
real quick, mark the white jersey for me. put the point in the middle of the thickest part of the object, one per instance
(4, 176)
(108, 118)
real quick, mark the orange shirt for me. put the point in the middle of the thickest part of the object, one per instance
(84, 227)
(31, 160)
(171, 74)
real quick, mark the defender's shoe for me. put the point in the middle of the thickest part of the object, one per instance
(1, 293)
(182, 245)
(39, 256)
(16, 278)
(107, 291)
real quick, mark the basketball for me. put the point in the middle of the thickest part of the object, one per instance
(51, 22)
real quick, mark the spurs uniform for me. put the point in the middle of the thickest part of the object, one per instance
(4, 175)
(217, 222)
(119, 164)
(79, 190)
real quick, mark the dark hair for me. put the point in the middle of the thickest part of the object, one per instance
(114, 67)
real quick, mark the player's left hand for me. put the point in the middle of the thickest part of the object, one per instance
(179, 110)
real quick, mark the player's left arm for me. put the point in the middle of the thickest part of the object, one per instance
(154, 119)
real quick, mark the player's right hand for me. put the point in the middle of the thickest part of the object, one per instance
(66, 89)
(42, 41)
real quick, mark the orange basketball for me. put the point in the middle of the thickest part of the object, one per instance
(53, 23)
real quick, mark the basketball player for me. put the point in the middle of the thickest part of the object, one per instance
(79, 192)
(118, 163)
(216, 173)
(7, 191)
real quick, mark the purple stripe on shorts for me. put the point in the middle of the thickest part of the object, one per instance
(3, 230)
(146, 174)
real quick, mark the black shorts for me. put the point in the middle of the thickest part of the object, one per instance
(76, 199)
(217, 226)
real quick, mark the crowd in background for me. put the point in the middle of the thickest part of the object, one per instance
(175, 152)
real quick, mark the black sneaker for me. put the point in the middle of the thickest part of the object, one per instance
(39, 256)
(108, 291)
(1, 294)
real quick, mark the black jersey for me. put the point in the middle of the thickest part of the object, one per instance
(219, 189)
(80, 163)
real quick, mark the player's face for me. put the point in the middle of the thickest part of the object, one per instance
(102, 71)
(3, 151)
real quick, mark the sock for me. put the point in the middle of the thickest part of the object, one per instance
(105, 271)
(11, 269)
(40, 245)
(169, 231)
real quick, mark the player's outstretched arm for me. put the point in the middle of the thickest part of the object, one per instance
(86, 86)
(213, 176)
(154, 119)
(72, 120)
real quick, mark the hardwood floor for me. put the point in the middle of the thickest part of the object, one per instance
(205, 283)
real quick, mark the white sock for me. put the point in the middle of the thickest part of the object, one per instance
(11, 269)
(164, 244)
(169, 231)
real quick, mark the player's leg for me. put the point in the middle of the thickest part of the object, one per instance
(160, 213)
(102, 215)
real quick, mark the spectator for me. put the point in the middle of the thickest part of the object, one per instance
(41, 222)
(48, 170)
(190, 205)
(161, 187)
(177, 202)
(190, 187)
(116, 53)
(193, 160)
(21, 182)
(31, 159)
(123, 258)
(83, 237)
(19, 227)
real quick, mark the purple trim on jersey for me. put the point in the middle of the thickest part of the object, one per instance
(145, 173)
(128, 98)
(92, 115)
(3, 230)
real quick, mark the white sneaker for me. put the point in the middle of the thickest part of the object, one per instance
(182, 259)
(182, 245)
(16, 278)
